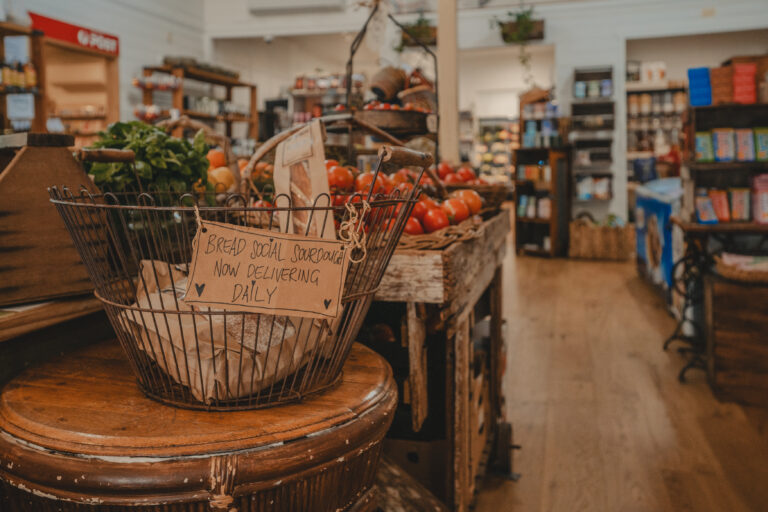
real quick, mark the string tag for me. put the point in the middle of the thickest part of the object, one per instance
(199, 219)
(350, 232)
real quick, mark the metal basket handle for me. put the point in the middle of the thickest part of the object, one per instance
(105, 155)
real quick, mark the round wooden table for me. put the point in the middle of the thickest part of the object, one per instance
(77, 432)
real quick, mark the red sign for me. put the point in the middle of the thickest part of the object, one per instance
(79, 36)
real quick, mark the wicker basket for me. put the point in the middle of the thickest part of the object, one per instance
(737, 274)
(593, 242)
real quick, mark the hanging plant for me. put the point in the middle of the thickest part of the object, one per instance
(520, 28)
(422, 31)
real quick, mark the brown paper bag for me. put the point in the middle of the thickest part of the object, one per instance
(217, 356)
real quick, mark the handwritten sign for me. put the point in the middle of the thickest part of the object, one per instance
(259, 271)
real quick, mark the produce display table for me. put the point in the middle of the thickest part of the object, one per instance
(440, 294)
(688, 276)
(77, 432)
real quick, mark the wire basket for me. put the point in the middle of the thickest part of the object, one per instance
(137, 248)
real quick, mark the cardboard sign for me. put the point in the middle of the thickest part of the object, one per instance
(75, 34)
(300, 174)
(20, 106)
(248, 269)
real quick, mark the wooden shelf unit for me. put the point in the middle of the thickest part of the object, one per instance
(37, 58)
(720, 174)
(82, 88)
(534, 229)
(208, 77)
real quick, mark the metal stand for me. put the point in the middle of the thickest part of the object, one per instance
(695, 264)
(356, 42)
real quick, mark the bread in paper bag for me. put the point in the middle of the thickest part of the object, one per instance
(217, 355)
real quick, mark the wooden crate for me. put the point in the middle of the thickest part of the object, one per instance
(39, 260)
(737, 340)
(444, 291)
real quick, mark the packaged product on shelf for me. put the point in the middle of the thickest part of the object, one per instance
(723, 144)
(745, 145)
(739, 204)
(760, 200)
(601, 188)
(719, 200)
(761, 144)
(530, 211)
(704, 151)
(522, 205)
(705, 212)
(544, 207)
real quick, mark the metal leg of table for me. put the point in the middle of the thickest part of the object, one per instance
(691, 267)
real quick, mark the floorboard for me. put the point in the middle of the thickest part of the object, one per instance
(595, 403)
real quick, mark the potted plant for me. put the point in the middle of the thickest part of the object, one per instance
(422, 31)
(520, 28)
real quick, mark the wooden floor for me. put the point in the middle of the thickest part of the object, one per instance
(595, 403)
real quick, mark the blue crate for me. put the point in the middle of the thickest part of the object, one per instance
(698, 74)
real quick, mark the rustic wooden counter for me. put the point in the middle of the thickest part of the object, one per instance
(441, 290)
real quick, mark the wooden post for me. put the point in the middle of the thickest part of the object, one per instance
(178, 98)
(462, 342)
(253, 125)
(227, 123)
(41, 104)
(447, 64)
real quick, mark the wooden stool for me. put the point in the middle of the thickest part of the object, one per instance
(76, 434)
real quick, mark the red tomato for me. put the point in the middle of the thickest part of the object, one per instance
(331, 163)
(435, 219)
(340, 178)
(384, 106)
(409, 106)
(369, 106)
(402, 176)
(471, 198)
(262, 204)
(444, 169)
(339, 199)
(456, 210)
(386, 184)
(405, 189)
(452, 178)
(426, 180)
(466, 174)
(340, 108)
(363, 183)
(413, 226)
(428, 203)
(419, 209)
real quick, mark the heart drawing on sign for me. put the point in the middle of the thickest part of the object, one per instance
(327, 303)
(199, 288)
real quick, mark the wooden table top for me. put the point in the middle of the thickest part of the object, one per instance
(721, 227)
(88, 403)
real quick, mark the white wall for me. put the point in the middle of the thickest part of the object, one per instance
(491, 79)
(274, 66)
(683, 52)
(148, 31)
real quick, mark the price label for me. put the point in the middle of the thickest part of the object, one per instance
(249, 269)
(432, 123)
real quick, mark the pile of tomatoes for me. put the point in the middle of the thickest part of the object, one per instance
(464, 174)
(378, 105)
(428, 214)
